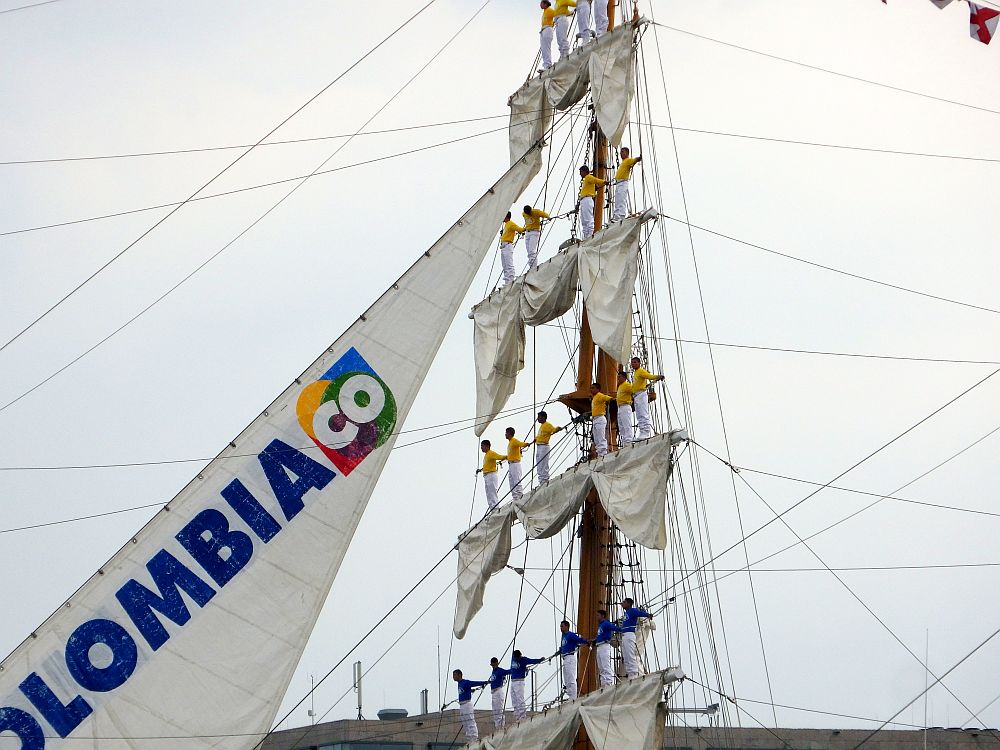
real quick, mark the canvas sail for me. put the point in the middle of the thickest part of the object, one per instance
(631, 484)
(607, 66)
(193, 629)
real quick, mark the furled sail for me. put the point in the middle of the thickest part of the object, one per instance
(609, 264)
(631, 484)
(541, 295)
(607, 66)
(629, 715)
(604, 267)
(483, 551)
(192, 631)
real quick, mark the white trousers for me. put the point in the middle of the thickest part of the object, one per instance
(621, 200)
(587, 214)
(468, 716)
(600, 425)
(531, 244)
(492, 482)
(562, 35)
(497, 696)
(605, 673)
(514, 476)
(644, 424)
(517, 699)
(569, 666)
(630, 655)
(542, 462)
(626, 427)
(545, 44)
(601, 18)
(507, 261)
(583, 19)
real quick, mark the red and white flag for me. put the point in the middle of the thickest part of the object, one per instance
(982, 22)
(941, 3)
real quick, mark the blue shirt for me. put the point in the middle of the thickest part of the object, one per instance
(604, 630)
(497, 677)
(632, 615)
(519, 668)
(570, 641)
(465, 689)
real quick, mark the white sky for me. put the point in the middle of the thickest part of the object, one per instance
(89, 77)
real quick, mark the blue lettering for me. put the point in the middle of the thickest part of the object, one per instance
(169, 575)
(64, 718)
(24, 726)
(124, 655)
(279, 456)
(262, 523)
(224, 552)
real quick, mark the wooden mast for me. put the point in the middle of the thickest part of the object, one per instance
(596, 558)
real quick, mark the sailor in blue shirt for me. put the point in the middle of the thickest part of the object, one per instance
(518, 671)
(567, 649)
(497, 678)
(465, 710)
(605, 630)
(630, 651)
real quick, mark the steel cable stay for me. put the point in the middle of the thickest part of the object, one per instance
(174, 210)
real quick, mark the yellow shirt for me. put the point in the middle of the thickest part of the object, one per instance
(514, 449)
(625, 169)
(588, 189)
(549, 17)
(545, 432)
(490, 459)
(624, 395)
(641, 379)
(563, 6)
(599, 404)
(509, 230)
(533, 221)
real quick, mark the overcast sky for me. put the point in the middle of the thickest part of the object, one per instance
(99, 77)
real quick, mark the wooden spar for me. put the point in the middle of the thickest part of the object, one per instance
(596, 557)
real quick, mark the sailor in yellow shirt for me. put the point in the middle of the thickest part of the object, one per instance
(491, 478)
(599, 418)
(545, 35)
(533, 232)
(641, 378)
(507, 237)
(514, 473)
(588, 191)
(626, 426)
(563, 13)
(542, 437)
(622, 177)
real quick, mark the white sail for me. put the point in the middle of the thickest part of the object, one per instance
(609, 264)
(546, 511)
(498, 345)
(632, 485)
(483, 551)
(632, 714)
(607, 66)
(628, 715)
(612, 80)
(195, 627)
(556, 729)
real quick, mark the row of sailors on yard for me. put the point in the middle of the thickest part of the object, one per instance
(634, 423)
(568, 645)
(533, 217)
(555, 22)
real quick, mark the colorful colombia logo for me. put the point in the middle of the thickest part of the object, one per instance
(349, 412)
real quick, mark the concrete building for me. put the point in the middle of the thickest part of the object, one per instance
(442, 731)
